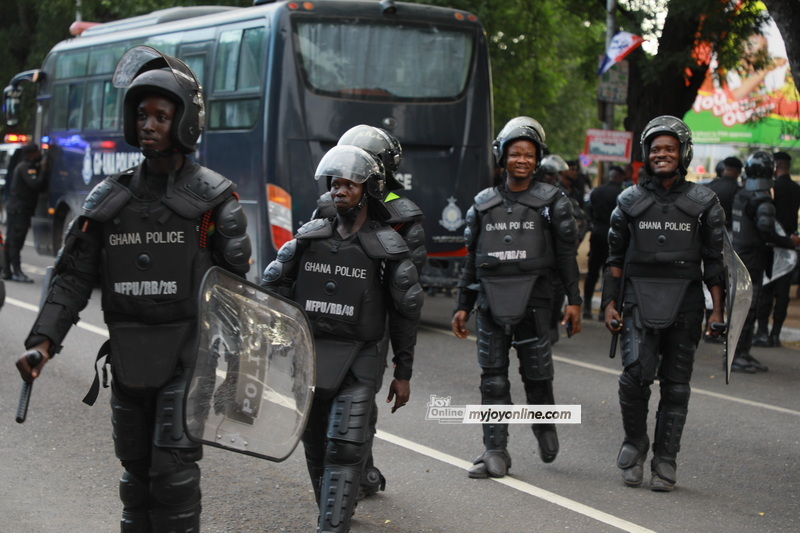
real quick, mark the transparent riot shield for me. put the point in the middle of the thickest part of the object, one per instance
(737, 302)
(253, 379)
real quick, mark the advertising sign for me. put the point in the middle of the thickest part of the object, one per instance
(746, 105)
(608, 145)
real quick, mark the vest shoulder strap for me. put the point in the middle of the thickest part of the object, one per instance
(319, 228)
(635, 200)
(108, 197)
(487, 198)
(384, 243)
(199, 190)
(696, 200)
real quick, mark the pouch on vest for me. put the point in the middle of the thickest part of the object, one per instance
(334, 358)
(145, 357)
(659, 300)
(508, 297)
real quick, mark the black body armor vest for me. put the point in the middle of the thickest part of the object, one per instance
(514, 237)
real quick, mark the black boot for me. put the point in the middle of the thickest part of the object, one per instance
(495, 461)
(633, 401)
(775, 335)
(762, 337)
(547, 438)
(666, 445)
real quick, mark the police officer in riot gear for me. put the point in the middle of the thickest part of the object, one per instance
(665, 240)
(351, 273)
(405, 217)
(26, 184)
(754, 237)
(148, 235)
(518, 235)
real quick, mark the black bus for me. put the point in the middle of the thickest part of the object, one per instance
(282, 81)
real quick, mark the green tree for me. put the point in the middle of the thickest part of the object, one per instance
(544, 63)
(667, 82)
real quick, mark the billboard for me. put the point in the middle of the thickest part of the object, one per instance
(608, 145)
(746, 105)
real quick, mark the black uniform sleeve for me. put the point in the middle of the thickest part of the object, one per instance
(467, 284)
(404, 317)
(564, 227)
(712, 228)
(75, 274)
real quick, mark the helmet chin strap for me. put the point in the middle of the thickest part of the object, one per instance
(155, 154)
(352, 212)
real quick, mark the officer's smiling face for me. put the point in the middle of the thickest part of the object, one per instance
(664, 156)
(153, 123)
(346, 194)
(520, 159)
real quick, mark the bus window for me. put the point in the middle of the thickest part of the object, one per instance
(93, 112)
(104, 60)
(197, 62)
(72, 65)
(111, 98)
(239, 64)
(240, 113)
(60, 106)
(338, 58)
(75, 109)
(239, 67)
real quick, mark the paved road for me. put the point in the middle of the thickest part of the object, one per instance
(739, 469)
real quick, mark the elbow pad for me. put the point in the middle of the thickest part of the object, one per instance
(232, 242)
(715, 223)
(405, 289)
(618, 232)
(765, 217)
(470, 231)
(564, 219)
(277, 271)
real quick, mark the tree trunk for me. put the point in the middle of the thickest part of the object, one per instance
(786, 14)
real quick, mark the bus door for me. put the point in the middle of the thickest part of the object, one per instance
(233, 141)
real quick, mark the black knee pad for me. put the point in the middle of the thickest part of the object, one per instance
(631, 385)
(341, 452)
(179, 487)
(133, 492)
(675, 394)
(495, 387)
(350, 414)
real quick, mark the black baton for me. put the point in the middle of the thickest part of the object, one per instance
(34, 357)
(612, 352)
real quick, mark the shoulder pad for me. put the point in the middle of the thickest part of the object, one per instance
(319, 228)
(634, 200)
(540, 194)
(402, 210)
(107, 198)
(199, 190)
(487, 199)
(696, 200)
(385, 243)
(325, 207)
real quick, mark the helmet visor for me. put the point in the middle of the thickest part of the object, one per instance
(348, 162)
(143, 58)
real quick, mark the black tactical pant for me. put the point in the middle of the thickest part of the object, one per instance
(19, 222)
(669, 355)
(160, 488)
(531, 340)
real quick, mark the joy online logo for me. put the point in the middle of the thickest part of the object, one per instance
(439, 409)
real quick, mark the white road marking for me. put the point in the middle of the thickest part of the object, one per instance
(521, 486)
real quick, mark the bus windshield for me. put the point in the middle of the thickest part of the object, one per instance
(426, 63)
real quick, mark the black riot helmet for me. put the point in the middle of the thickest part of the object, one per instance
(554, 164)
(354, 164)
(145, 71)
(675, 127)
(759, 171)
(515, 129)
(381, 144)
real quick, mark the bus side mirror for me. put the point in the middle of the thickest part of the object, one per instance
(11, 106)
